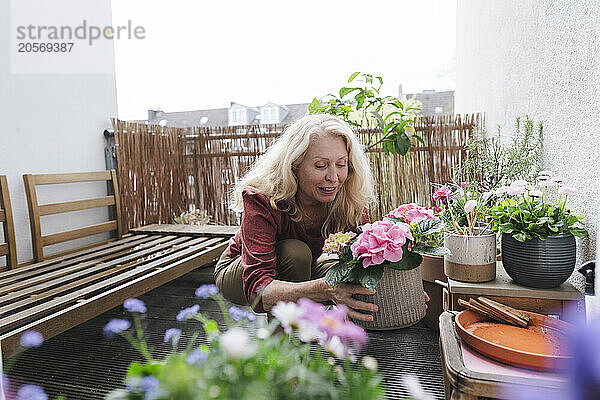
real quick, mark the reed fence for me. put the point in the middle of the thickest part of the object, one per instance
(164, 171)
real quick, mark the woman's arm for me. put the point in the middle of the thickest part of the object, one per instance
(318, 290)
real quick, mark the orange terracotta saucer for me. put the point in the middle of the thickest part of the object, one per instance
(541, 346)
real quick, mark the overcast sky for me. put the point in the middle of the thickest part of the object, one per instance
(201, 54)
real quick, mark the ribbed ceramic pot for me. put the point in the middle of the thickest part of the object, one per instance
(399, 296)
(473, 258)
(539, 263)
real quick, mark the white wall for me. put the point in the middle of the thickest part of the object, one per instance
(53, 123)
(541, 58)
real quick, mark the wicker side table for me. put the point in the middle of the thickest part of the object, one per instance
(469, 376)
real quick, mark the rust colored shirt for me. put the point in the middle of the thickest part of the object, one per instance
(261, 227)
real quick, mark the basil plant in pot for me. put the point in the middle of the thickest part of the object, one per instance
(468, 236)
(538, 230)
(385, 257)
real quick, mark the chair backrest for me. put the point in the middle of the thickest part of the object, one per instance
(9, 248)
(36, 210)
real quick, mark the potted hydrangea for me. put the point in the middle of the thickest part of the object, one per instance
(386, 256)
(468, 236)
(538, 230)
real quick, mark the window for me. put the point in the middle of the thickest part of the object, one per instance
(269, 115)
(238, 117)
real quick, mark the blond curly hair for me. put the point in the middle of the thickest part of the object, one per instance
(273, 173)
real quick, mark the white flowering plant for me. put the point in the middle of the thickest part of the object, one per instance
(464, 208)
(536, 210)
(306, 351)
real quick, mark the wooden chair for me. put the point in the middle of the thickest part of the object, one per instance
(36, 210)
(9, 248)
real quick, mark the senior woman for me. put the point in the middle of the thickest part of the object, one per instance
(313, 181)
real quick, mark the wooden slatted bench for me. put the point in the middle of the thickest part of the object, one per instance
(57, 293)
(9, 247)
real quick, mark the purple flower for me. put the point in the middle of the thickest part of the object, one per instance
(31, 339)
(172, 336)
(115, 326)
(187, 313)
(196, 357)
(135, 305)
(333, 323)
(205, 291)
(31, 392)
(238, 314)
(148, 384)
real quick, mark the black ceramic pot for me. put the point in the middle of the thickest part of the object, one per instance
(539, 263)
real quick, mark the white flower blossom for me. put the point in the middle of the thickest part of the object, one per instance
(567, 190)
(236, 344)
(416, 391)
(288, 315)
(369, 363)
(519, 183)
(470, 206)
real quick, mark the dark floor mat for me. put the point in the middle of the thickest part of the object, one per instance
(82, 364)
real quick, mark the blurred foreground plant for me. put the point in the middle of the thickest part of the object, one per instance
(246, 362)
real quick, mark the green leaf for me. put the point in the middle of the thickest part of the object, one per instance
(507, 227)
(398, 104)
(432, 251)
(402, 143)
(410, 260)
(340, 272)
(380, 121)
(210, 326)
(520, 237)
(579, 232)
(360, 99)
(315, 106)
(345, 90)
(369, 277)
(411, 129)
(430, 226)
(419, 138)
(354, 75)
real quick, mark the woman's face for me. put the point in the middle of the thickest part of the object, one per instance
(323, 171)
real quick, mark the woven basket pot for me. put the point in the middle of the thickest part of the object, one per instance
(539, 263)
(399, 296)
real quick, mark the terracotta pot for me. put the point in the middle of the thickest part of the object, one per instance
(473, 258)
(399, 296)
(432, 268)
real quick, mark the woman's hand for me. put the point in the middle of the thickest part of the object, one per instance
(342, 294)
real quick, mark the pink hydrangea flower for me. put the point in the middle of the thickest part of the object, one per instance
(412, 213)
(381, 241)
(442, 194)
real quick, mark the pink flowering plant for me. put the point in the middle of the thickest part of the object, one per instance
(315, 356)
(536, 210)
(396, 242)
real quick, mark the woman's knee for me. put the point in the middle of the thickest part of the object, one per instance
(294, 260)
